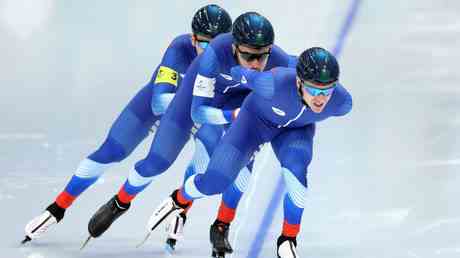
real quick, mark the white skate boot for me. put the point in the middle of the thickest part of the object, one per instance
(168, 207)
(40, 224)
(175, 230)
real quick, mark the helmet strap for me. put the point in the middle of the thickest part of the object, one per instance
(235, 55)
(299, 90)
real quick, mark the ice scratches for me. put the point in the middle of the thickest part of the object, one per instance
(437, 163)
(412, 254)
(22, 136)
(448, 250)
(18, 181)
(393, 216)
(439, 252)
(442, 222)
(35, 255)
(4, 196)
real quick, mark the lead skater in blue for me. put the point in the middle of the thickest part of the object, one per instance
(282, 109)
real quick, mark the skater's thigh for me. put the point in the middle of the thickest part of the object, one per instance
(209, 136)
(294, 149)
(129, 129)
(235, 149)
(135, 121)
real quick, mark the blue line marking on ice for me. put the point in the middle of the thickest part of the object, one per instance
(256, 245)
(346, 27)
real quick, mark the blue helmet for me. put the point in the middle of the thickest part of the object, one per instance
(253, 30)
(211, 20)
(317, 65)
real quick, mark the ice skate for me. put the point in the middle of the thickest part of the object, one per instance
(167, 208)
(40, 224)
(218, 234)
(175, 231)
(104, 217)
(287, 247)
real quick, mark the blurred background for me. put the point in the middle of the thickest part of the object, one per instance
(383, 181)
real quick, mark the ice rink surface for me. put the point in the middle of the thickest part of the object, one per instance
(383, 181)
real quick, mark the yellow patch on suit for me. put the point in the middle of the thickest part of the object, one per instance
(167, 75)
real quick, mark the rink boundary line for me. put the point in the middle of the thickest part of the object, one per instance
(256, 245)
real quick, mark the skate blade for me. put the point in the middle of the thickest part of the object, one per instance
(26, 239)
(145, 240)
(169, 249)
(85, 243)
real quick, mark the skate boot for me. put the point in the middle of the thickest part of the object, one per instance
(40, 224)
(175, 230)
(287, 247)
(105, 216)
(218, 234)
(168, 207)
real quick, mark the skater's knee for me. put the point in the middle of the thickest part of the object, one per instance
(296, 187)
(297, 165)
(110, 151)
(216, 183)
(242, 181)
(209, 135)
(190, 171)
(153, 165)
(213, 189)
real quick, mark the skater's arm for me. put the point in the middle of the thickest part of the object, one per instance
(204, 113)
(168, 77)
(346, 105)
(204, 91)
(261, 83)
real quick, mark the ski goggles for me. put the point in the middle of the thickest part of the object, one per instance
(249, 57)
(314, 91)
(203, 44)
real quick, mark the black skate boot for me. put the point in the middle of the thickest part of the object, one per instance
(40, 224)
(105, 216)
(286, 247)
(218, 234)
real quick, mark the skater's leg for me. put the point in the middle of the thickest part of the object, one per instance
(206, 139)
(293, 148)
(128, 130)
(294, 151)
(219, 231)
(232, 195)
(169, 140)
(230, 156)
(171, 136)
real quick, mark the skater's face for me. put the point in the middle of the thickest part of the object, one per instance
(252, 58)
(200, 42)
(315, 95)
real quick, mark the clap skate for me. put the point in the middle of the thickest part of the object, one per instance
(218, 234)
(40, 224)
(104, 217)
(167, 208)
(175, 230)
